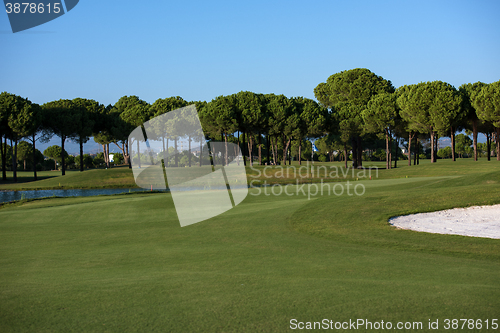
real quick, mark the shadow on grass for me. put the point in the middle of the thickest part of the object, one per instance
(25, 179)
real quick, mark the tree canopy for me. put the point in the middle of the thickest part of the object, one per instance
(354, 109)
(347, 94)
(487, 105)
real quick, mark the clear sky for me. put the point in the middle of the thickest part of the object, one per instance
(202, 49)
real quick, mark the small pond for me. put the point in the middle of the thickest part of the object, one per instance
(6, 196)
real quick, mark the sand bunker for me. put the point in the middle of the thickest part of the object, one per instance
(478, 221)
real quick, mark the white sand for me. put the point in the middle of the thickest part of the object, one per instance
(478, 221)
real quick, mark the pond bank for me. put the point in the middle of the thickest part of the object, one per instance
(9, 196)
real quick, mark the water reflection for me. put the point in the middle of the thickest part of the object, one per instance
(7, 196)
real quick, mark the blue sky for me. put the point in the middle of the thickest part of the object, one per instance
(202, 49)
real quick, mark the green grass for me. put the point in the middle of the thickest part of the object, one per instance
(117, 177)
(122, 263)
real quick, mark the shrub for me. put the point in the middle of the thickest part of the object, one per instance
(322, 158)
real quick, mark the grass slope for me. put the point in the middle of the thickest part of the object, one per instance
(96, 178)
(122, 263)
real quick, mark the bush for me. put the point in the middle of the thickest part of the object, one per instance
(87, 161)
(444, 152)
(402, 157)
(183, 161)
(118, 158)
(322, 158)
(48, 164)
(70, 162)
(98, 161)
(380, 154)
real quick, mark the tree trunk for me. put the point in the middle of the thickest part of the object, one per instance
(104, 152)
(81, 155)
(14, 160)
(300, 151)
(138, 154)
(390, 152)
(488, 145)
(418, 152)
(388, 159)
(107, 150)
(283, 158)
(497, 140)
(3, 151)
(166, 156)
(63, 164)
(360, 151)
(432, 147)
(163, 152)
(276, 150)
(267, 150)
(452, 136)
(396, 141)
(250, 149)
(104, 155)
(410, 137)
(34, 158)
(225, 153)
(123, 152)
(387, 150)
(236, 157)
(274, 153)
(201, 150)
(243, 150)
(239, 147)
(474, 137)
(285, 149)
(127, 158)
(345, 155)
(354, 152)
(436, 146)
(176, 156)
(211, 155)
(189, 151)
(260, 149)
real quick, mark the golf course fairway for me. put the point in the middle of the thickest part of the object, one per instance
(122, 263)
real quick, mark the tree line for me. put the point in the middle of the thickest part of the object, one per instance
(361, 103)
(354, 107)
